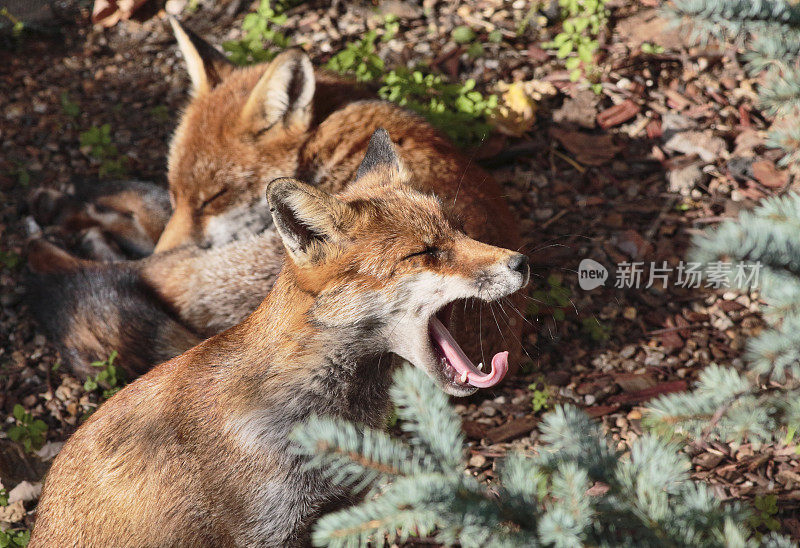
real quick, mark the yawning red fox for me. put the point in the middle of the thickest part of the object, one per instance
(197, 453)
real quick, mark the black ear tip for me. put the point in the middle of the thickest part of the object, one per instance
(380, 138)
(381, 143)
(380, 151)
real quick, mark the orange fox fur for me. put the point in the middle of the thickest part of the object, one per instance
(245, 126)
(197, 452)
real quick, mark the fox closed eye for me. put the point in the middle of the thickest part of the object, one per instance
(213, 197)
(429, 251)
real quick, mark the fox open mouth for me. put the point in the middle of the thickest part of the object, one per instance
(456, 366)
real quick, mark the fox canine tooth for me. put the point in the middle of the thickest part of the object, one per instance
(480, 366)
(464, 376)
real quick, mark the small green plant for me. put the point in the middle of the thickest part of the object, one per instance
(70, 108)
(21, 173)
(98, 145)
(652, 49)
(160, 113)
(14, 538)
(110, 378)
(17, 27)
(360, 59)
(553, 299)
(577, 42)
(27, 430)
(391, 26)
(259, 28)
(3, 496)
(462, 35)
(541, 396)
(9, 259)
(475, 50)
(595, 330)
(457, 109)
(523, 24)
(766, 507)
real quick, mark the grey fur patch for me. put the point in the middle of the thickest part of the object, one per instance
(380, 152)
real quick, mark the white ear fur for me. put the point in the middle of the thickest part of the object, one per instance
(284, 92)
(205, 65)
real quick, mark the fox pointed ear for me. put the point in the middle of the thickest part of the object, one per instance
(207, 66)
(283, 94)
(306, 218)
(381, 154)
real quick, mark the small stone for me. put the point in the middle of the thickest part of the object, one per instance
(477, 460)
(488, 410)
(589, 399)
(627, 351)
(520, 400)
(684, 179)
(629, 313)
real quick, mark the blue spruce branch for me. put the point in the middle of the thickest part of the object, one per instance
(539, 501)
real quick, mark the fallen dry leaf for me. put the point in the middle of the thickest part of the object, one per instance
(516, 113)
(618, 114)
(49, 450)
(768, 175)
(516, 428)
(25, 491)
(592, 150)
(703, 143)
(12, 513)
(580, 109)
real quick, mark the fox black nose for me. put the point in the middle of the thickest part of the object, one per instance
(519, 263)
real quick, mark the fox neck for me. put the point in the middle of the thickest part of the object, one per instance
(292, 357)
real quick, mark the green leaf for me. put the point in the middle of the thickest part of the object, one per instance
(23, 538)
(19, 412)
(16, 433)
(560, 39)
(586, 54)
(475, 50)
(564, 50)
(462, 35)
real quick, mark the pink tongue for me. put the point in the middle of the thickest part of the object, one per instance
(462, 364)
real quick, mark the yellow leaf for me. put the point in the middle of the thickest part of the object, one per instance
(516, 112)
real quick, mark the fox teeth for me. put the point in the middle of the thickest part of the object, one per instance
(480, 366)
(464, 376)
